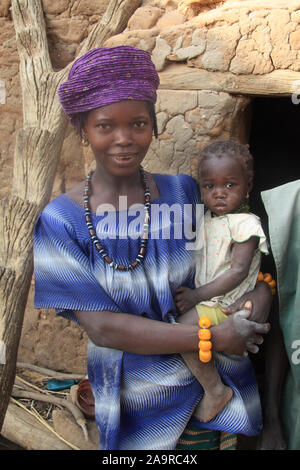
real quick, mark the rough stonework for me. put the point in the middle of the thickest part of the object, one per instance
(189, 120)
(212, 56)
(246, 37)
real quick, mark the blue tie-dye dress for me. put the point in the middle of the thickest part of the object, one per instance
(141, 401)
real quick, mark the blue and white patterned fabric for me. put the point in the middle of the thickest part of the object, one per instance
(141, 401)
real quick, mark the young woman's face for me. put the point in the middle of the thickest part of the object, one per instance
(119, 135)
(223, 184)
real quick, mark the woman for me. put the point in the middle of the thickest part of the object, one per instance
(91, 266)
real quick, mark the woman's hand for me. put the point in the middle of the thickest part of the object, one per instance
(237, 335)
(261, 299)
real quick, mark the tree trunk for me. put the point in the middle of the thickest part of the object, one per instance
(37, 151)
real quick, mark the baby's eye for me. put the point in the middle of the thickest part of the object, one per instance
(229, 185)
(209, 186)
(139, 124)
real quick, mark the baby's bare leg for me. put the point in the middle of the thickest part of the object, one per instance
(216, 393)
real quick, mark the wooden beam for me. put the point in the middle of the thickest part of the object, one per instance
(277, 83)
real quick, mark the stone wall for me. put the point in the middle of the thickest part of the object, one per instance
(243, 38)
(188, 121)
(68, 23)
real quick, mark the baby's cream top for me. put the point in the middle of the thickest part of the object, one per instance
(220, 233)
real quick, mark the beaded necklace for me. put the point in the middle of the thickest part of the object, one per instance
(242, 208)
(142, 251)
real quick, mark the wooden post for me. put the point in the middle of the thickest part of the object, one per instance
(37, 152)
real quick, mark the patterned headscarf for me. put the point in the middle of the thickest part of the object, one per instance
(106, 75)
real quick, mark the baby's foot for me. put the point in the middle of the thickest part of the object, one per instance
(212, 403)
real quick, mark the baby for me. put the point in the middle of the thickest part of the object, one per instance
(228, 263)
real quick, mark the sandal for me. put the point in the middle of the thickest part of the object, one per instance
(85, 399)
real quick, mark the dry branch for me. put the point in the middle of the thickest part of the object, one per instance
(49, 372)
(76, 412)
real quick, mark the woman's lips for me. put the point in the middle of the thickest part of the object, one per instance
(123, 159)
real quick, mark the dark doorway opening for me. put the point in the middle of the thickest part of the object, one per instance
(275, 146)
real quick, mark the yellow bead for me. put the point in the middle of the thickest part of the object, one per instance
(204, 334)
(205, 356)
(267, 277)
(205, 322)
(205, 345)
(260, 276)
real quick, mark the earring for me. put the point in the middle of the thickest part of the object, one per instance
(85, 141)
(247, 196)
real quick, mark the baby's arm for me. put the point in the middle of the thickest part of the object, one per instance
(242, 255)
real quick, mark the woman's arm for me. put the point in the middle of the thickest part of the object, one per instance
(141, 335)
(135, 334)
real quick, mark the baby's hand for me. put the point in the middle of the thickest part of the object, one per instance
(184, 300)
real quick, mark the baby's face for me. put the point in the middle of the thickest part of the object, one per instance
(223, 184)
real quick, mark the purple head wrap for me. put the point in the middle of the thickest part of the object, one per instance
(106, 75)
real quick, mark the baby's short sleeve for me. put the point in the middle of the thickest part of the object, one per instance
(244, 226)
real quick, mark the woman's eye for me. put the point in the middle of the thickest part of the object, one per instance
(229, 185)
(103, 126)
(209, 186)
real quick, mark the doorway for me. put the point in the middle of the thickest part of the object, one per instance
(275, 146)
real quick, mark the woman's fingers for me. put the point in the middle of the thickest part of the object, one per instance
(237, 334)
(251, 330)
(254, 343)
(253, 348)
(256, 340)
(259, 340)
(262, 328)
(248, 305)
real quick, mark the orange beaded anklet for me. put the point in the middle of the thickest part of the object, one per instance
(267, 278)
(204, 334)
